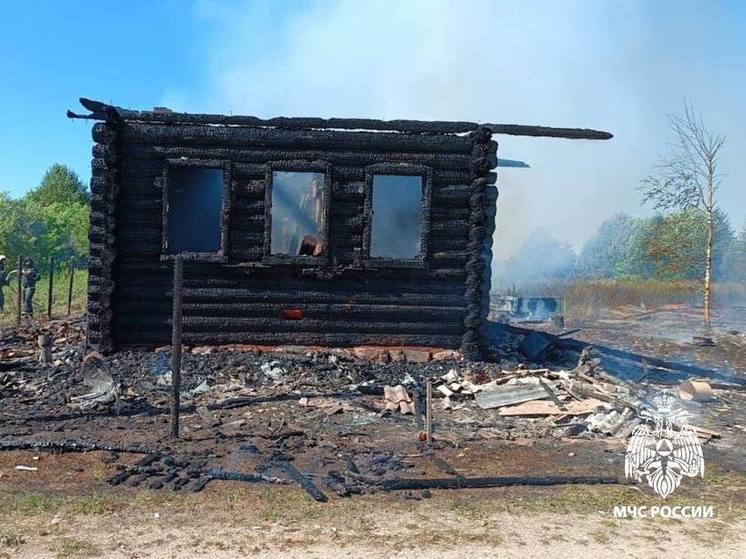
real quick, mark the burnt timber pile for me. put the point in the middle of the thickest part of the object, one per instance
(242, 292)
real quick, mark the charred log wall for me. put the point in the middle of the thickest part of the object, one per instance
(344, 302)
(105, 181)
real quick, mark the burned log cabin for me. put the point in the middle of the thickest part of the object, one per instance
(331, 232)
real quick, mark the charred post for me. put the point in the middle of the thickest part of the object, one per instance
(176, 345)
(19, 291)
(50, 293)
(70, 286)
(429, 412)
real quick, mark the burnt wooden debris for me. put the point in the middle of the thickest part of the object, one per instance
(241, 293)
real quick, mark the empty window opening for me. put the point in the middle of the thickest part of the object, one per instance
(396, 224)
(297, 213)
(195, 205)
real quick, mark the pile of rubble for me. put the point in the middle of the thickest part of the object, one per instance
(579, 400)
(582, 402)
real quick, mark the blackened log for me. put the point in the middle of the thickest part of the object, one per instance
(200, 484)
(549, 132)
(197, 324)
(70, 445)
(412, 484)
(218, 473)
(160, 336)
(454, 161)
(337, 484)
(302, 480)
(104, 111)
(119, 477)
(200, 136)
(365, 311)
(136, 293)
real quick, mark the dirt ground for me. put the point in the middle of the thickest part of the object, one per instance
(64, 507)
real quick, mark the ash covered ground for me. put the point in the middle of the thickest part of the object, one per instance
(327, 413)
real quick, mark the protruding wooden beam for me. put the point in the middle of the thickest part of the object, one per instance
(512, 163)
(104, 111)
(549, 132)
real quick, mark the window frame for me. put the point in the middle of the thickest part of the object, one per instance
(319, 166)
(221, 255)
(402, 169)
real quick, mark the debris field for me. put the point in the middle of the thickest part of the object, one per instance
(339, 421)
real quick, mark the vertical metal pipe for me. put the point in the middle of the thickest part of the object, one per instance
(70, 286)
(176, 345)
(51, 287)
(20, 290)
(429, 412)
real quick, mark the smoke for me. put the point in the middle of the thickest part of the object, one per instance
(541, 258)
(616, 66)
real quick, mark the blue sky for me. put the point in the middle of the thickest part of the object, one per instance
(619, 66)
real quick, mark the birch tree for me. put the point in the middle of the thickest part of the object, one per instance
(688, 178)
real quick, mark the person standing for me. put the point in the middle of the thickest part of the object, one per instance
(29, 277)
(3, 281)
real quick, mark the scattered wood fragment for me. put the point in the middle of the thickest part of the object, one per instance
(546, 407)
(707, 432)
(506, 394)
(302, 480)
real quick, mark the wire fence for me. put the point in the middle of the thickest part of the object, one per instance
(66, 281)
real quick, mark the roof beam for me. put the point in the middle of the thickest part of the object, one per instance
(102, 111)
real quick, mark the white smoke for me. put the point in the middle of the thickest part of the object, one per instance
(618, 66)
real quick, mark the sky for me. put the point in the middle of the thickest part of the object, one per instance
(610, 65)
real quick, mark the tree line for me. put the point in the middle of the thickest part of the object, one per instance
(50, 220)
(670, 247)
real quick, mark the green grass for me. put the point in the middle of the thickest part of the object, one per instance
(59, 296)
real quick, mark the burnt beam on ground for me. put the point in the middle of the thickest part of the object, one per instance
(410, 484)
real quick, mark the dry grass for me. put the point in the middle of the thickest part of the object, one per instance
(583, 299)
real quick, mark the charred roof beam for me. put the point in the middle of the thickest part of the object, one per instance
(103, 111)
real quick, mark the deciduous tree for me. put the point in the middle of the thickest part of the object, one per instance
(688, 178)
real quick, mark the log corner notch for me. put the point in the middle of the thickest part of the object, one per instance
(479, 246)
(103, 111)
(101, 236)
